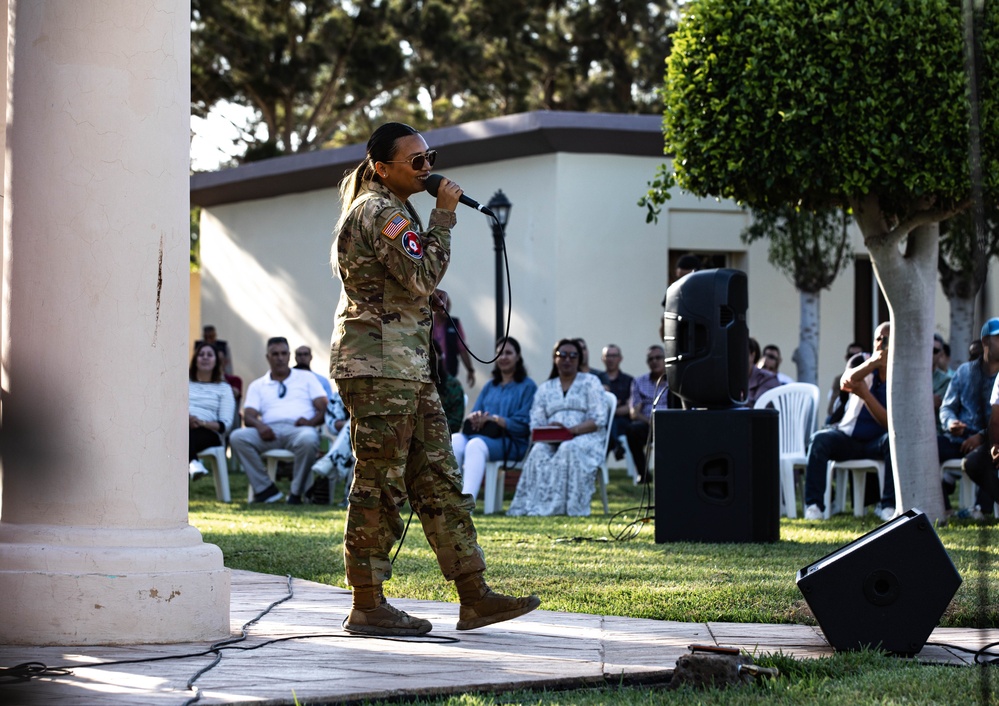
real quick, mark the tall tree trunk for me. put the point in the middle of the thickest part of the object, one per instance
(908, 281)
(962, 328)
(806, 356)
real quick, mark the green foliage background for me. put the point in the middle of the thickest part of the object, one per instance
(810, 102)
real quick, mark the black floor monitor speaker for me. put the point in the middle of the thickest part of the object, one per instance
(717, 475)
(885, 590)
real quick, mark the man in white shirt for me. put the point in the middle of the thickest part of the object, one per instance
(281, 411)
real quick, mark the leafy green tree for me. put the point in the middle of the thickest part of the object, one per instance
(962, 265)
(818, 103)
(310, 68)
(811, 248)
(324, 72)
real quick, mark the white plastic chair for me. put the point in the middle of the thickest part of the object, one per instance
(603, 474)
(272, 458)
(495, 483)
(966, 493)
(797, 404)
(859, 468)
(215, 456)
(629, 459)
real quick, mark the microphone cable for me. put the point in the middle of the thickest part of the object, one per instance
(645, 508)
(509, 299)
(461, 341)
(33, 670)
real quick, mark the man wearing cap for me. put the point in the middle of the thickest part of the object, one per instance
(965, 413)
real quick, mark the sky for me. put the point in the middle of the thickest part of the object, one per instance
(212, 137)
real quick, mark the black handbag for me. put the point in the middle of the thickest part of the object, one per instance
(490, 429)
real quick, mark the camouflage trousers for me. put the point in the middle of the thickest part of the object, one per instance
(403, 449)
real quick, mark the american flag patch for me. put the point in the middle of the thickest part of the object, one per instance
(395, 226)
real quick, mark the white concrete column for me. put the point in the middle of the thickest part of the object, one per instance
(95, 545)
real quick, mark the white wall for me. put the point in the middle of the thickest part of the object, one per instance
(583, 262)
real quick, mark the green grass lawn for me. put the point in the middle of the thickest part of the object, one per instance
(576, 565)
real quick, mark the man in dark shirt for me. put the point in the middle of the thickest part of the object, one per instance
(618, 382)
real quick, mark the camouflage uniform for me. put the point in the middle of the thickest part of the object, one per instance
(380, 359)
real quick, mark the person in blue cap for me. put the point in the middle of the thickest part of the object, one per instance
(983, 441)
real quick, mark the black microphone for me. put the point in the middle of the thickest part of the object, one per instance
(433, 182)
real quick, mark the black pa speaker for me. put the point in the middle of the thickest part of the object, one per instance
(717, 475)
(706, 339)
(885, 590)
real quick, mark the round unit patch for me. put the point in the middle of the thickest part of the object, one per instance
(413, 245)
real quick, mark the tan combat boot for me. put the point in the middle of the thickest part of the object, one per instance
(371, 614)
(480, 606)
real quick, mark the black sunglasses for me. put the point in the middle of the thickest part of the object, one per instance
(571, 356)
(418, 161)
(282, 390)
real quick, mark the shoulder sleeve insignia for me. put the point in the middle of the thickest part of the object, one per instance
(412, 244)
(396, 225)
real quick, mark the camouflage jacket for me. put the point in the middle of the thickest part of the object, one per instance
(388, 267)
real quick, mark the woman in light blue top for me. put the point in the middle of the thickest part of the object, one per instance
(498, 425)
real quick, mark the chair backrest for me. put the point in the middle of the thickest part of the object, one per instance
(612, 404)
(797, 404)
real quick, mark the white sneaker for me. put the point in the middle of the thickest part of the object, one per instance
(323, 466)
(196, 469)
(885, 513)
(813, 512)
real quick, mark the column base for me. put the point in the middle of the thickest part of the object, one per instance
(83, 586)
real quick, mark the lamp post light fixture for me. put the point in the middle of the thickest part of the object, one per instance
(500, 205)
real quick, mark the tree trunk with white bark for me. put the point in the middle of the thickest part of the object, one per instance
(905, 265)
(806, 356)
(962, 328)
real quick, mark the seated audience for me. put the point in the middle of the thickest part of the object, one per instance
(981, 463)
(210, 335)
(451, 392)
(975, 350)
(941, 375)
(210, 408)
(964, 413)
(282, 410)
(558, 478)
(584, 364)
(498, 428)
(303, 361)
(236, 383)
(838, 397)
(648, 392)
(448, 334)
(337, 465)
(771, 360)
(862, 433)
(617, 381)
(760, 380)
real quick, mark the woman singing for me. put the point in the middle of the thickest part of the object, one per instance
(389, 266)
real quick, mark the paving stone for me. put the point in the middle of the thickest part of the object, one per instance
(543, 649)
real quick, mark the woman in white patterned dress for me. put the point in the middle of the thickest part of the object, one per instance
(558, 479)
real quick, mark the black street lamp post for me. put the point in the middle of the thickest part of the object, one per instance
(500, 205)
